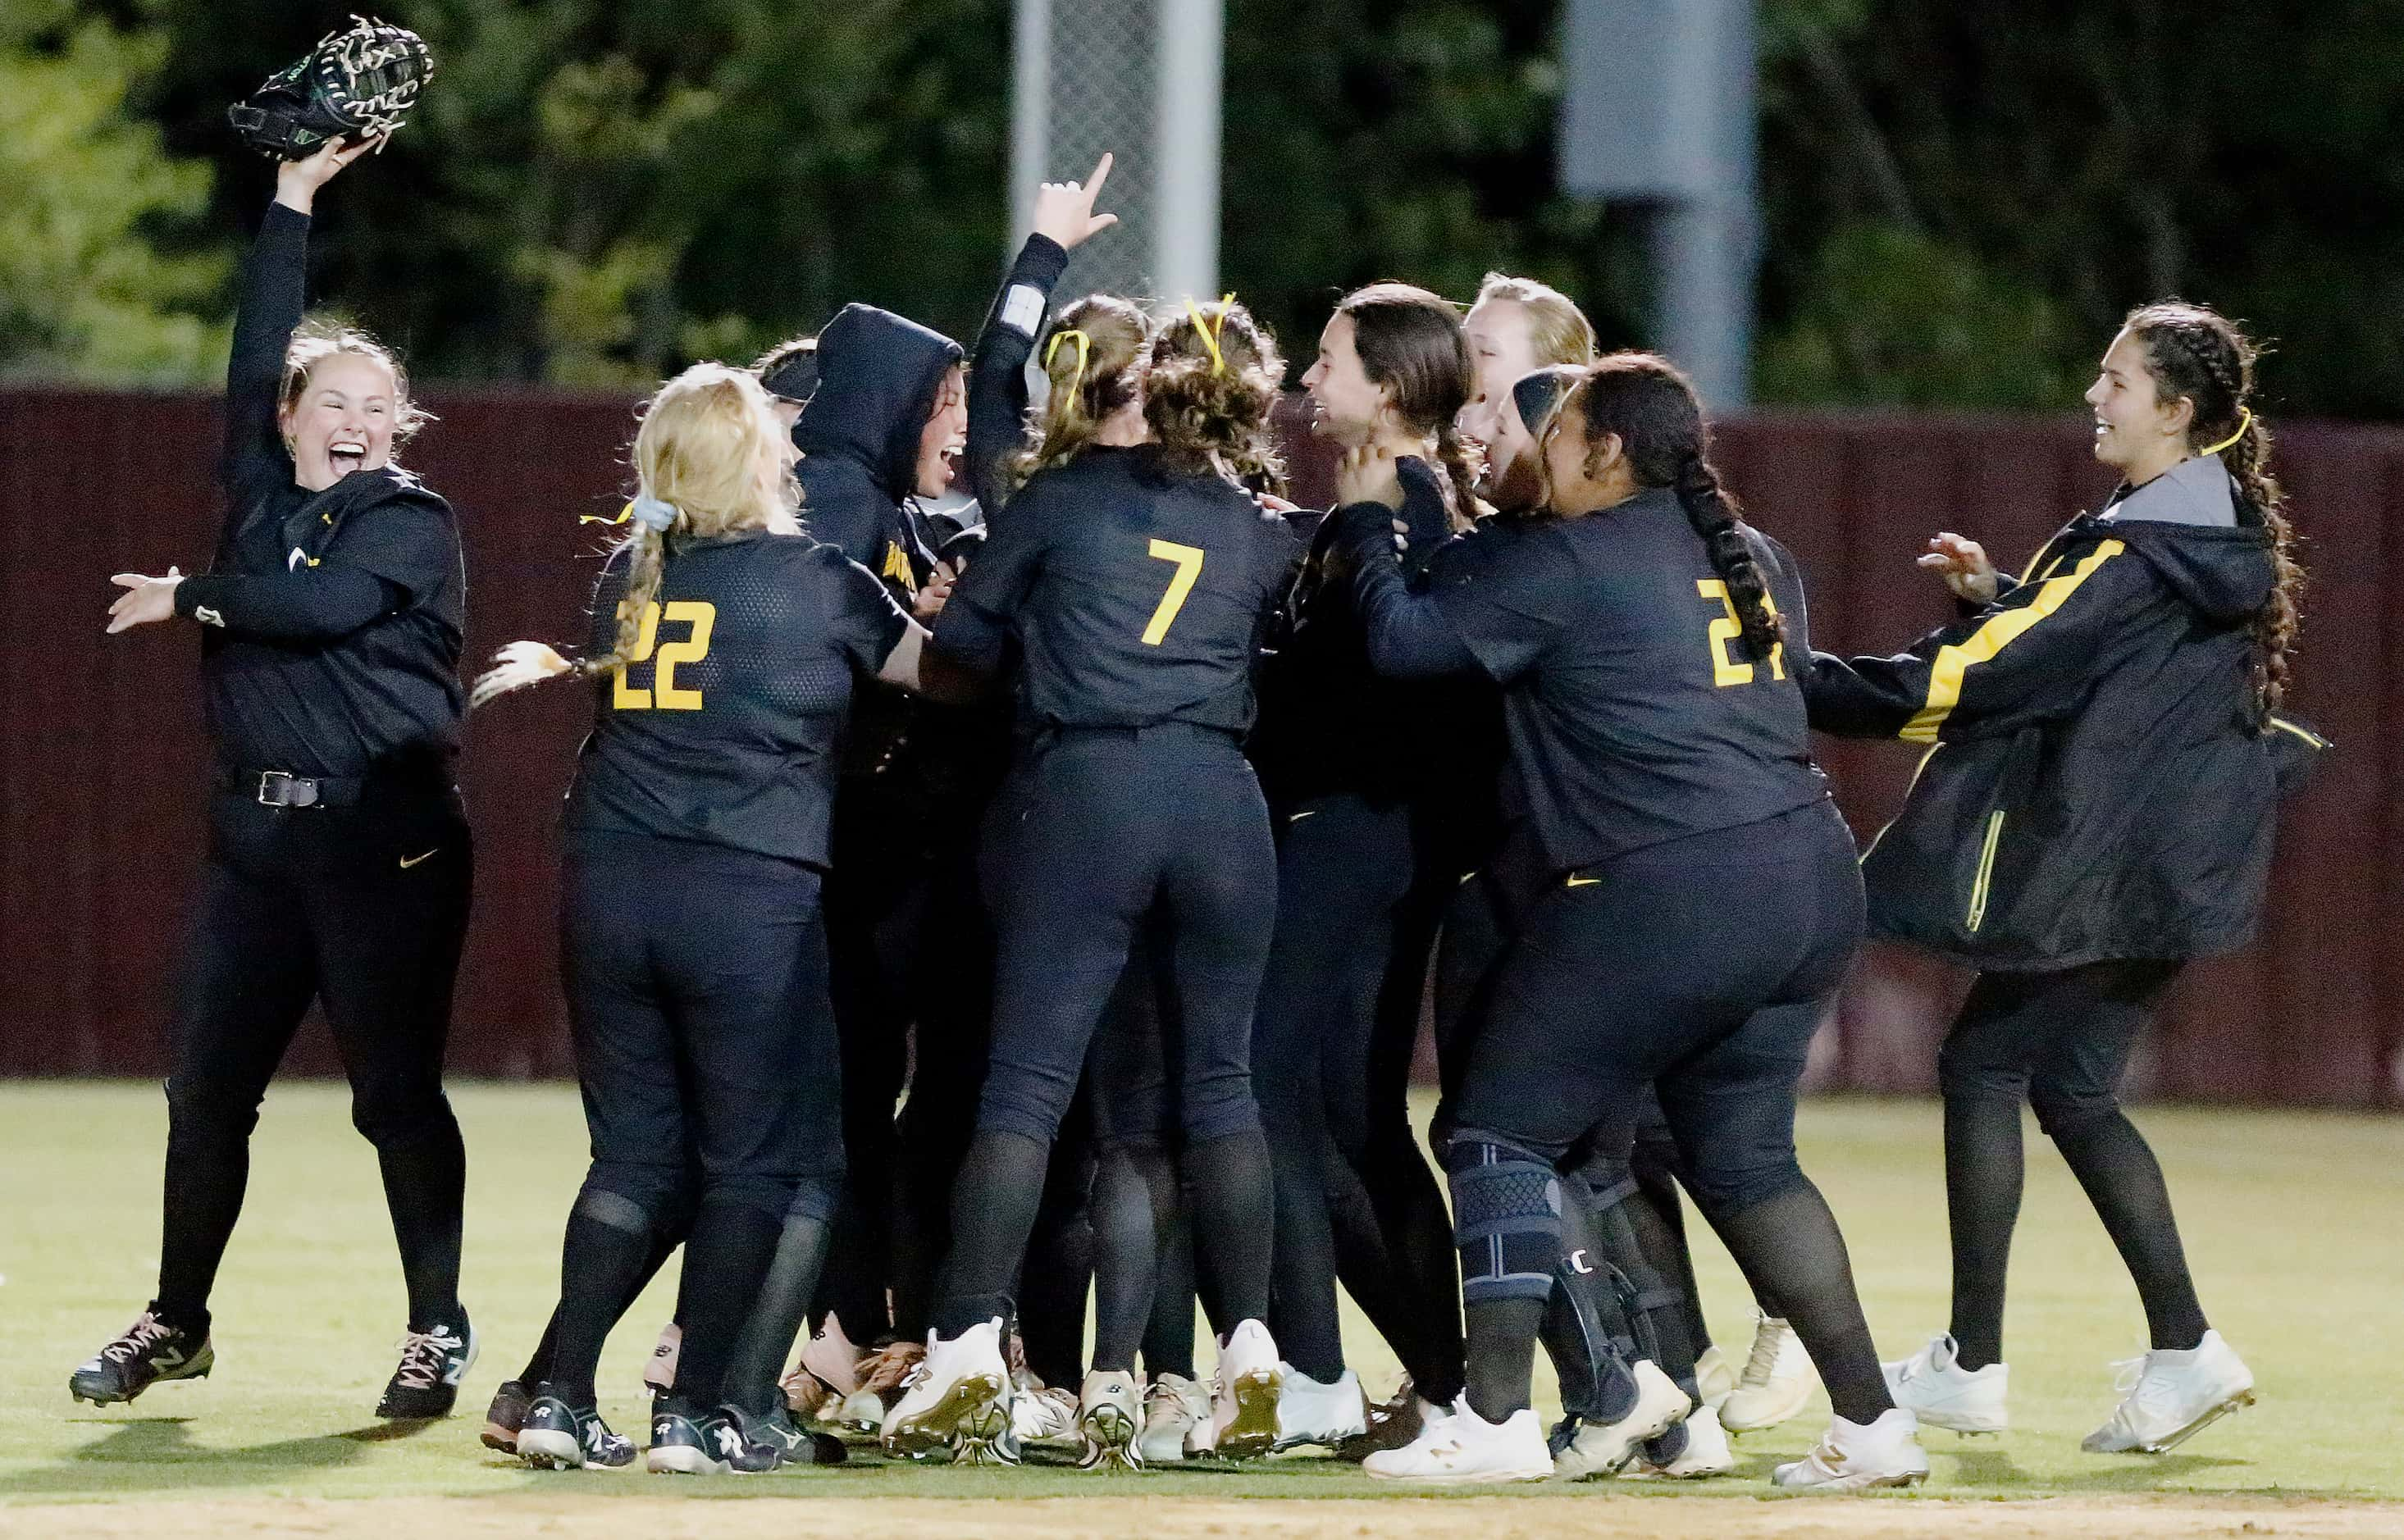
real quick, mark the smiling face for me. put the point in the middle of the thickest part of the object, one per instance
(2137, 433)
(342, 421)
(945, 436)
(1343, 404)
(1502, 348)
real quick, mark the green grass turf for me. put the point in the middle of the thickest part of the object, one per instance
(2296, 1224)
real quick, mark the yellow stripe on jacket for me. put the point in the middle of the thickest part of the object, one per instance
(1952, 662)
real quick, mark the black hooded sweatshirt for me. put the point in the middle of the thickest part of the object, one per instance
(2100, 782)
(858, 436)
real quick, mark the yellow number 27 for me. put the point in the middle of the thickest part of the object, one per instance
(664, 694)
(1189, 567)
(1726, 671)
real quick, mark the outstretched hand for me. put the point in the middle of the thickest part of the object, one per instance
(1064, 211)
(1964, 565)
(297, 181)
(145, 601)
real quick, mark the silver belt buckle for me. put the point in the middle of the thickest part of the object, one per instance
(295, 792)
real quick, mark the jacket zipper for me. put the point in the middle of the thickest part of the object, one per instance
(1978, 914)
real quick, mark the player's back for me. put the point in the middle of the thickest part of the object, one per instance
(1138, 592)
(721, 724)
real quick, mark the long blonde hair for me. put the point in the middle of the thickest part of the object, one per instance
(711, 458)
(1092, 362)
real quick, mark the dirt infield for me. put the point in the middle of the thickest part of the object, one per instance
(699, 1517)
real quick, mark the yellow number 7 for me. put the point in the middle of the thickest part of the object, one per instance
(1189, 566)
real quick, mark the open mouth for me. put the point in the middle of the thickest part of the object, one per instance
(346, 455)
(952, 453)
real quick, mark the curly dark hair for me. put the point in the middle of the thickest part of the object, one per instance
(1215, 376)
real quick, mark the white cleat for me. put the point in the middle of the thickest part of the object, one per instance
(2168, 1396)
(1109, 1426)
(1041, 1414)
(1932, 1386)
(1602, 1448)
(1312, 1412)
(1462, 1448)
(1694, 1449)
(953, 1398)
(1854, 1457)
(1715, 1376)
(1777, 1382)
(1175, 1410)
(1247, 1385)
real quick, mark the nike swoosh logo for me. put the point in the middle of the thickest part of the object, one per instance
(1582, 882)
(409, 861)
(1298, 817)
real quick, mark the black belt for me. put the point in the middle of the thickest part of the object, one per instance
(284, 789)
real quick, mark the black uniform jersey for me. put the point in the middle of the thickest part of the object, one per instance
(722, 727)
(1634, 714)
(1137, 594)
(334, 619)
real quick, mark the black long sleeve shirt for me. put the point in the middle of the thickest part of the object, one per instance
(333, 619)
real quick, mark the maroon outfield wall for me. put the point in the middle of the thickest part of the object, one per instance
(101, 752)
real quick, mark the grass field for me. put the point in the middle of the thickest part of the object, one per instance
(2295, 1225)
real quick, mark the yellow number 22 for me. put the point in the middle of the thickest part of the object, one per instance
(1189, 566)
(701, 618)
(1726, 671)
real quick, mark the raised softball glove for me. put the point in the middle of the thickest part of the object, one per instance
(355, 84)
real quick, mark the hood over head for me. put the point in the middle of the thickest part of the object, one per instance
(878, 373)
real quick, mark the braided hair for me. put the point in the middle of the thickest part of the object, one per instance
(1650, 405)
(1410, 342)
(2194, 353)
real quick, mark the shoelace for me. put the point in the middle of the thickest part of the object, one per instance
(422, 1354)
(1767, 1339)
(139, 1339)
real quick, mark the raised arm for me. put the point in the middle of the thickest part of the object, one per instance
(273, 291)
(1064, 219)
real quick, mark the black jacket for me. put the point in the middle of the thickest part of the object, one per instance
(2099, 783)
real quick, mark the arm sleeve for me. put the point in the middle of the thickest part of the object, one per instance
(1408, 635)
(1423, 516)
(308, 604)
(411, 542)
(867, 623)
(975, 625)
(2027, 658)
(998, 368)
(274, 282)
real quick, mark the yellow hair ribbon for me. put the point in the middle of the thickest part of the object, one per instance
(2245, 421)
(1210, 333)
(624, 514)
(1084, 351)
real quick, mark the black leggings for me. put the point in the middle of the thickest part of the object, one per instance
(1096, 831)
(364, 909)
(1334, 1039)
(2060, 1041)
(1650, 970)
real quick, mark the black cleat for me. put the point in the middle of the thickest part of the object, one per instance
(790, 1442)
(432, 1364)
(150, 1351)
(558, 1436)
(683, 1443)
(506, 1415)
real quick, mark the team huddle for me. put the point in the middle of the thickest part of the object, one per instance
(974, 915)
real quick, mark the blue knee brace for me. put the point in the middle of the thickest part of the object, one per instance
(1506, 1206)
